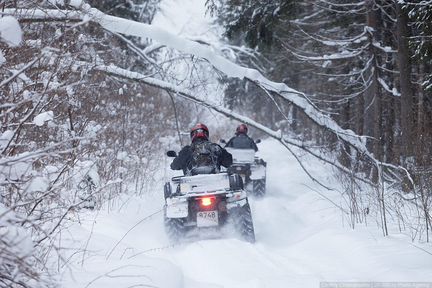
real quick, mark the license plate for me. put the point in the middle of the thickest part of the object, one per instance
(207, 218)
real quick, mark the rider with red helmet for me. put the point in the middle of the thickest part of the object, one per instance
(241, 140)
(199, 131)
(202, 156)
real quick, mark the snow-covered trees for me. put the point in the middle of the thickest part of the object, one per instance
(361, 57)
(57, 114)
(365, 63)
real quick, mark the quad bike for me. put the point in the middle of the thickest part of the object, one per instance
(206, 202)
(252, 169)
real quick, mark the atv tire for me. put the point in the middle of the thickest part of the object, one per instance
(241, 217)
(175, 229)
(259, 189)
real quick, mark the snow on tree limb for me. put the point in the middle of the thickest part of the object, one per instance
(165, 38)
(10, 31)
(123, 73)
(132, 28)
(386, 87)
(44, 14)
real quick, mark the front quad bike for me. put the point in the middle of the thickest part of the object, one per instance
(204, 203)
(251, 168)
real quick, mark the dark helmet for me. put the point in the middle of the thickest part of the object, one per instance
(199, 131)
(242, 129)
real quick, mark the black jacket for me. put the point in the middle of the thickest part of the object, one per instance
(242, 141)
(183, 161)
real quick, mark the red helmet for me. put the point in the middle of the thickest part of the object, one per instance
(199, 131)
(242, 129)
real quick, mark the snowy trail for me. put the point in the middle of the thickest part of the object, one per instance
(301, 241)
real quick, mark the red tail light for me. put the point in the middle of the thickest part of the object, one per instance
(206, 201)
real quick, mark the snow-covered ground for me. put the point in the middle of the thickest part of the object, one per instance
(301, 240)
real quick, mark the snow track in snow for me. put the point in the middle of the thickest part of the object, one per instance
(301, 240)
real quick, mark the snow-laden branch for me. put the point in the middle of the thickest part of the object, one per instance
(17, 73)
(361, 38)
(10, 33)
(335, 56)
(385, 49)
(132, 28)
(421, 3)
(48, 151)
(119, 72)
(360, 4)
(310, 18)
(163, 37)
(44, 14)
(384, 85)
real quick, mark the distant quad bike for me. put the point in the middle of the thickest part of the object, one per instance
(252, 169)
(206, 203)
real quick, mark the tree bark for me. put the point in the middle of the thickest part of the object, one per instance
(407, 114)
(373, 93)
(370, 94)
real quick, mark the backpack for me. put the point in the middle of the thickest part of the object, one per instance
(204, 158)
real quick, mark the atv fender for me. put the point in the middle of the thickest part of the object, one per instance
(176, 208)
(239, 203)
